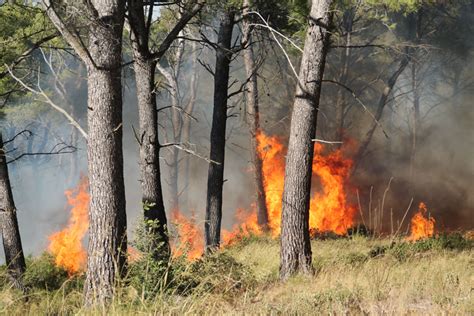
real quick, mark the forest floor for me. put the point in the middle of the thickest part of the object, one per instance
(356, 275)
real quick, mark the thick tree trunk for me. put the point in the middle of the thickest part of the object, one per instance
(150, 174)
(253, 117)
(216, 170)
(107, 217)
(295, 244)
(14, 257)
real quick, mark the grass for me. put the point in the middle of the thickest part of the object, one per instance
(353, 276)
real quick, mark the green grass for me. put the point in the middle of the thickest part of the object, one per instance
(353, 276)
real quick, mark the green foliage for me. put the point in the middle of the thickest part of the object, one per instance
(405, 250)
(42, 273)
(148, 273)
(348, 281)
(20, 28)
(216, 273)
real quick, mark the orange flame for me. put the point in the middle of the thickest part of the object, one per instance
(247, 225)
(421, 226)
(190, 236)
(66, 245)
(329, 209)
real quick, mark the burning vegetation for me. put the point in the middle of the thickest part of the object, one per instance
(422, 226)
(330, 210)
(66, 245)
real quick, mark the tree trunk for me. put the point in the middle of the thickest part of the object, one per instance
(253, 117)
(295, 244)
(415, 18)
(378, 115)
(176, 122)
(150, 174)
(348, 20)
(186, 132)
(145, 66)
(216, 170)
(148, 141)
(14, 256)
(107, 217)
(416, 120)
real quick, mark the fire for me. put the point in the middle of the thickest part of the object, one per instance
(421, 226)
(272, 152)
(66, 245)
(246, 225)
(329, 210)
(190, 236)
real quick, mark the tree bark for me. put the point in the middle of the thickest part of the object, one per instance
(107, 217)
(253, 116)
(14, 257)
(150, 173)
(145, 66)
(295, 253)
(215, 178)
(148, 140)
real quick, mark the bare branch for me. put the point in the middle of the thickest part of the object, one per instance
(25, 131)
(326, 141)
(360, 102)
(73, 39)
(179, 26)
(41, 93)
(66, 149)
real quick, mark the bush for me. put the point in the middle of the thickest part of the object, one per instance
(148, 272)
(216, 273)
(42, 273)
(404, 250)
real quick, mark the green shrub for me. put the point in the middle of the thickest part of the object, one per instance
(216, 273)
(147, 274)
(42, 273)
(405, 250)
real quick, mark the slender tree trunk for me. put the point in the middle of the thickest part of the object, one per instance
(145, 66)
(348, 19)
(150, 173)
(416, 120)
(253, 117)
(148, 138)
(414, 21)
(107, 217)
(176, 122)
(216, 170)
(378, 115)
(295, 253)
(14, 256)
(186, 131)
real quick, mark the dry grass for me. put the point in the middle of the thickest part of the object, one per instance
(353, 276)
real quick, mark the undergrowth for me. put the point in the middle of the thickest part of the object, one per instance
(355, 275)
